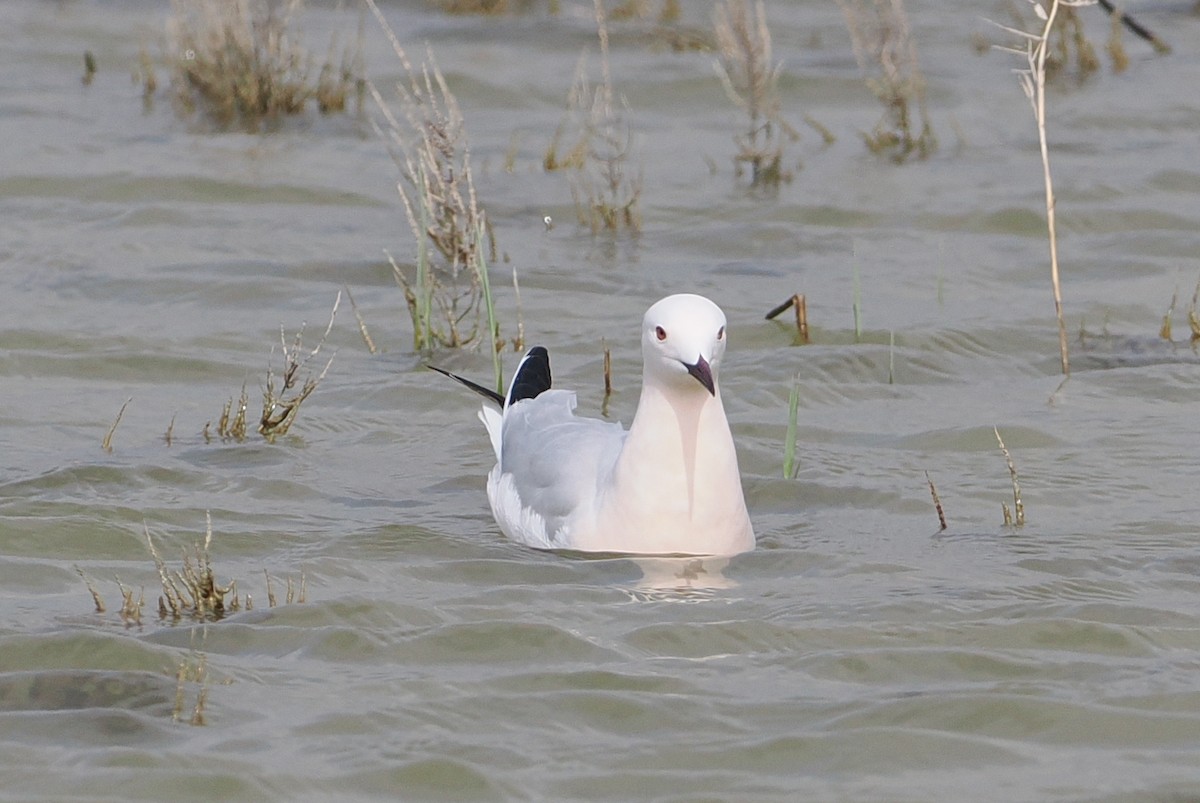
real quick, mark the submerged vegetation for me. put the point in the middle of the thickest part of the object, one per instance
(242, 63)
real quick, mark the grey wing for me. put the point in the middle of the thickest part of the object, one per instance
(559, 464)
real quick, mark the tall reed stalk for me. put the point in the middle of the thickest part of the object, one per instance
(1033, 82)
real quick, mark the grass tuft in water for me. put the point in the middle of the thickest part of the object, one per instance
(750, 77)
(427, 138)
(242, 63)
(887, 54)
(280, 407)
(606, 196)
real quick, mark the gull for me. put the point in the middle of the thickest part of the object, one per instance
(669, 485)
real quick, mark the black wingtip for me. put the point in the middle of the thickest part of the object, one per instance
(532, 377)
(486, 393)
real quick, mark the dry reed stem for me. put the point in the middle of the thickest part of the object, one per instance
(170, 430)
(800, 305)
(1164, 331)
(750, 78)
(106, 444)
(608, 387)
(1016, 516)
(96, 598)
(937, 503)
(887, 55)
(362, 324)
(1033, 83)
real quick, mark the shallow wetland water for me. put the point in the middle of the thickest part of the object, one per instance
(858, 653)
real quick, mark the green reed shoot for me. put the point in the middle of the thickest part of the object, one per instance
(789, 444)
(857, 304)
(493, 326)
(891, 356)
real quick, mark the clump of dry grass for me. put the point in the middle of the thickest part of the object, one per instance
(242, 63)
(750, 77)
(428, 140)
(606, 194)
(280, 407)
(281, 404)
(886, 53)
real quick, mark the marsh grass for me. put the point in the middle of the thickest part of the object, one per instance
(750, 77)
(242, 63)
(593, 145)
(887, 55)
(447, 289)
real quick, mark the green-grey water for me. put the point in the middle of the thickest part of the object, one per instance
(858, 653)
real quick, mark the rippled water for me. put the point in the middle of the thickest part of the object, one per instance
(858, 653)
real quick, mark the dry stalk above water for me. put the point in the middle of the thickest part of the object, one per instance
(750, 77)
(606, 196)
(242, 62)
(428, 141)
(1033, 83)
(886, 53)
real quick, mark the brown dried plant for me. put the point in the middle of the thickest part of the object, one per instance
(428, 141)
(885, 51)
(606, 195)
(242, 62)
(751, 80)
(280, 407)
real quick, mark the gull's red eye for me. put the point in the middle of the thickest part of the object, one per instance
(721, 333)
(660, 333)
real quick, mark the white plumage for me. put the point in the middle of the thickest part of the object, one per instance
(670, 485)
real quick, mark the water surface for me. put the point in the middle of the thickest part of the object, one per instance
(858, 653)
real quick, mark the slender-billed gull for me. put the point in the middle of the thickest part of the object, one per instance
(668, 485)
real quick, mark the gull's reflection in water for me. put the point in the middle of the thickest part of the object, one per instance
(684, 579)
